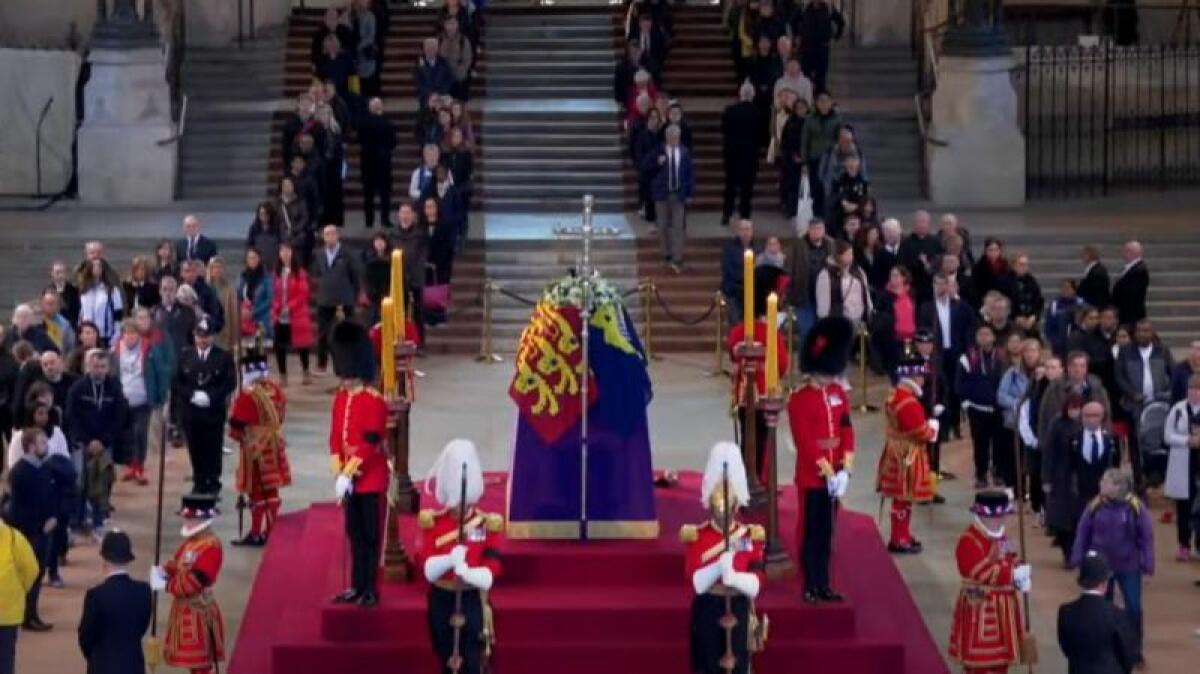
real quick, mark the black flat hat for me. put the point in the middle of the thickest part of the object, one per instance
(116, 547)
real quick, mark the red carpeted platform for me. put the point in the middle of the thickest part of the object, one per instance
(597, 607)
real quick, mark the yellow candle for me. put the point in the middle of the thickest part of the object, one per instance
(387, 348)
(748, 295)
(397, 295)
(772, 344)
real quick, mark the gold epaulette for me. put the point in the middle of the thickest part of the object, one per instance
(689, 533)
(425, 518)
(1135, 503)
(757, 533)
(494, 522)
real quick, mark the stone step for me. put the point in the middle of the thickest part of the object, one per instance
(611, 151)
(547, 177)
(549, 205)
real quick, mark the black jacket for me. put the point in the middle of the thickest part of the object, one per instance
(962, 325)
(203, 250)
(817, 25)
(1027, 297)
(116, 614)
(1129, 293)
(740, 134)
(215, 376)
(377, 136)
(1094, 286)
(1096, 637)
(33, 498)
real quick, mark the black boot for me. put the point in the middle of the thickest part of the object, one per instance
(348, 597)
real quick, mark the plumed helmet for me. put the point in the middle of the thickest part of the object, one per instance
(446, 476)
(826, 347)
(724, 461)
(353, 356)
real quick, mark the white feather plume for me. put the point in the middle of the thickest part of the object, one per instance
(724, 454)
(445, 477)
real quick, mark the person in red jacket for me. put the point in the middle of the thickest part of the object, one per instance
(724, 559)
(256, 423)
(357, 429)
(765, 278)
(904, 474)
(195, 629)
(459, 555)
(291, 316)
(985, 633)
(819, 415)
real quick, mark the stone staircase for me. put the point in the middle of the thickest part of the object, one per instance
(231, 92)
(410, 25)
(873, 84)
(552, 131)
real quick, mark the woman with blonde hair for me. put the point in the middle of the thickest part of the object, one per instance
(227, 295)
(140, 289)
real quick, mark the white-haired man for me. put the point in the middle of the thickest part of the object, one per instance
(194, 245)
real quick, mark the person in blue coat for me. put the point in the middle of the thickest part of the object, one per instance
(255, 290)
(116, 613)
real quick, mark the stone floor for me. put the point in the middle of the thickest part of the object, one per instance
(458, 397)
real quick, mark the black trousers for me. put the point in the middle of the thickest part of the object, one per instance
(708, 637)
(363, 529)
(205, 439)
(1033, 469)
(8, 649)
(1188, 537)
(740, 175)
(952, 417)
(817, 546)
(377, 180)
(326, 317)
(283, 344)
(414, 301)
(985, 429)
(789, 186)
(760, 435)
(814, 62)
(40, 543)
(815, 189)
(441, 634)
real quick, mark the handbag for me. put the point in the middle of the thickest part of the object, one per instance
(804, 205)
(436, 298)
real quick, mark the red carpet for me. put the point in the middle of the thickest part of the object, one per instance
(586, 608)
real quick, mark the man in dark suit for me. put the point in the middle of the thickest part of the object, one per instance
(672, 188)
(194, 245)
(1094, 286)
(739, 153)
(116, 613)
(192, 273)
(918, 252)
(1129, 290)
(203, 382)
(952, 323)
(32, 508)
(635, 60)
(377, 138)
(338, 281)
(650, 38)
(1093, 450)
(1093, 633)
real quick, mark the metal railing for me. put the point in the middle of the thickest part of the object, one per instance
(245, 31)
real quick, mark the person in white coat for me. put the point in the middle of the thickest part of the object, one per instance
(1182, 435)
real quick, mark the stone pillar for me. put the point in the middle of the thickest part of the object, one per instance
(885, 23)
(975, 114)
(979, 159)
(128, 112)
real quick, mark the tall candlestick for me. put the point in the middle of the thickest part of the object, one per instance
(748, 295)
(772, 364)
(400, 317)
(388, 347)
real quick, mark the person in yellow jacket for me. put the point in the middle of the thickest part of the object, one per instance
(18, 572)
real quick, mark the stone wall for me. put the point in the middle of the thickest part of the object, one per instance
(30, 78)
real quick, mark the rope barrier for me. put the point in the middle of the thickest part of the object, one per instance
(712, 306)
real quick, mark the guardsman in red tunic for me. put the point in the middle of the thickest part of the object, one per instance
(195, 629)
(819, 416)
(904, 474)
(452, 565)
(985, 634)
(256, 422)
(357, 457)
(721, 567)
(765, 281)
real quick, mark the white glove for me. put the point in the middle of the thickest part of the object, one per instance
(459, 554)
(343, 486)
(746, 583)
(842, 480)
(935, 425)
(158, 579)
(726, 562)
(200, 399)
(938, 410)
(437, 566)
(1023, 577)
(479, 576)
(706, 576)
(831, 485)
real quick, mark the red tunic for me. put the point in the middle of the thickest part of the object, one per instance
(439, 535)
(256, 422)
(737, 335)
(195, 629)
(705, 543)
(357, 431)
(986, 628)
(904, 472)
(820, 420)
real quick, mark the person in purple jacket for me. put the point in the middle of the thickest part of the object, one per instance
(1117, 524)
